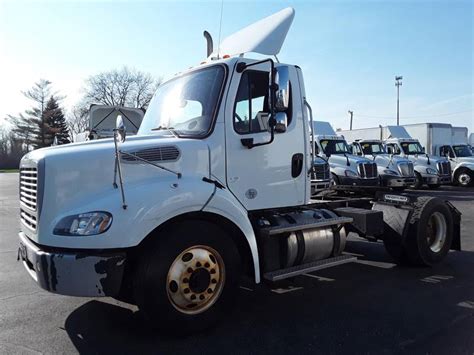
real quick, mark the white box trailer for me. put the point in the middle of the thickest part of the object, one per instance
(459, 135)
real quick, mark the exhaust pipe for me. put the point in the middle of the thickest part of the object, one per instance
(210, 45)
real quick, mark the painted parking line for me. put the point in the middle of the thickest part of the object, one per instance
(379, 264)
(286, 290)
(319, 278)
(246, 288)
(436, 278)
(466, 304)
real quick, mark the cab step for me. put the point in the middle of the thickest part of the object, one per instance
(305, 268)
(302, 226)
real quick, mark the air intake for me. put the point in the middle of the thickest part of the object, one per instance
(166, 153)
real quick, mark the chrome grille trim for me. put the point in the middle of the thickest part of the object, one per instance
(406, 169)
(166, 153)
(29, 188)
(367, 170)
(320, 172)
(444, 168)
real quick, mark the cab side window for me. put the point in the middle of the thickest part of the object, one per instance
(251, 112)
(393, 149)
(446, 151)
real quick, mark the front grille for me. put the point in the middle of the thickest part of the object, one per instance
(406, 169)
(367, 170)
(320, 172)
(28, 219)
(167, 153)
(28, 187)
(444, 168)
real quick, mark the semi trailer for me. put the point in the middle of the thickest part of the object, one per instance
(444, 140)
(216, 186)
(346, 169)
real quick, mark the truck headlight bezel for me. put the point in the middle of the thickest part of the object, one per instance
(84, 224)
(350, 173)
(431, 171)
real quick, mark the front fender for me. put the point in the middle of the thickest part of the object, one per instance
(226, 205)
(463, 165)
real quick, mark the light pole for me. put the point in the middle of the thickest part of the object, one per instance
(351, 113)
(398, 83)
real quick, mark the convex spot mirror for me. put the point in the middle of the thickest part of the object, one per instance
(120, 131)
(281, 122)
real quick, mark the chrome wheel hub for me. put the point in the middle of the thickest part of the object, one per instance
(464, 179)
(195, 279)
(436, 232)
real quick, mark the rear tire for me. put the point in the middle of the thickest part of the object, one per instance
(429, 235)
(188, 279)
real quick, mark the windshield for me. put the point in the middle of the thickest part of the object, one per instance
(462, 151)
(331, 146)
(185, 105)
(372, 148)
(411, 148)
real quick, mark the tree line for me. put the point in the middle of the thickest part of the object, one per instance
(45, 123)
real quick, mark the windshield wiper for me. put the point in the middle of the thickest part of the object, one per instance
(170, 129)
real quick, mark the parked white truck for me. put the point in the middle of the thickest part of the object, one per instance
(395, 172)
(102, 118)
(450, 142)
(346, 169)
(215, 185)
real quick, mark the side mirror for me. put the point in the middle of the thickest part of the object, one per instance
(120, 131)
(423, 150)
(282, 94)
(281, 122)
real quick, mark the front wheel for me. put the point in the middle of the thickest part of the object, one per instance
(464, 178)
(418, 181)
(189, 278)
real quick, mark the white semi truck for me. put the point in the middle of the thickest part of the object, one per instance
(215, 186)
(442, 139)
(346, 169)
(395, 171)
(102, 118)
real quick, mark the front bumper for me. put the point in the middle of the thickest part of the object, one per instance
(397, 181)
(73, 272)
(436, 179)
(345, 180)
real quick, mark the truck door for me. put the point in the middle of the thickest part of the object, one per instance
(272, 175)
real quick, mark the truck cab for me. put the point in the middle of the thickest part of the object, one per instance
(346, 169)
(394, 171)
(429, 170)
(461, 158)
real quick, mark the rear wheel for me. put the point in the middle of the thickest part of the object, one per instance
(429, 235)
(189, 278)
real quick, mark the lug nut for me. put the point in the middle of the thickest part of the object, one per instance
(193, 297)
(214, 281)
(198, 264)
(207, 265)
(201, 297)
(187, 290)
(185, 280)
(213, 271)
(209, 290)
(190, 270)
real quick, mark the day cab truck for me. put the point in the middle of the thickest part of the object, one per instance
(450, 142)
(394, 171)
(102, 119)
(346, 169)
(206, 193)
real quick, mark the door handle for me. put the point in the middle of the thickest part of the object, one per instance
(296, 164)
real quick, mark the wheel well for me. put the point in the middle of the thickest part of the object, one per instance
(230, 227)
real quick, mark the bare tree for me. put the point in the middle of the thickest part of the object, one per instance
(77, 119)
(120, 87)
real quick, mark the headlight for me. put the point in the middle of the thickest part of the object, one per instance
(351, 173)
(90, 223)
(390, 172)
(431, 171)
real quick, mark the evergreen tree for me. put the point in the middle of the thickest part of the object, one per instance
(55, 123)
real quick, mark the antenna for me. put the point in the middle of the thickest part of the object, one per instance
(220, 29)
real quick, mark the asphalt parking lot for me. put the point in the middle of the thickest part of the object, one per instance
(372, 306)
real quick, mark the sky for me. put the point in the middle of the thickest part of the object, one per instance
(349, 51)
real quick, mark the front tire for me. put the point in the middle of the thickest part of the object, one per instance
(418, 181)
(464, 178)
(188, 279)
